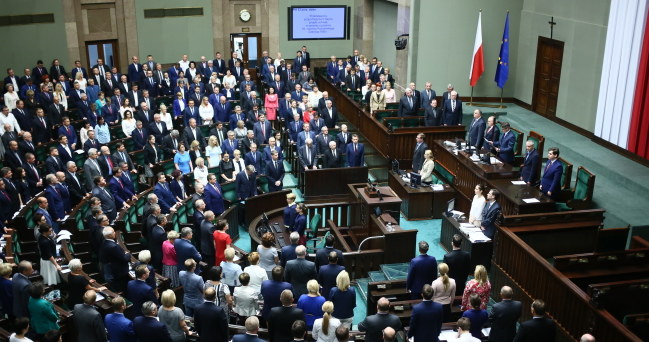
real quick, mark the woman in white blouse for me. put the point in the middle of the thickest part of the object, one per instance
(200, 171)
(166, 117)
(257, 273)
(60, 93)
(213, 151)
(229, 80)
(428, 167)
(246, 298)
(390, 95)
(206, 111)
(128, 124)
(278, 60)
(11, 97)
(78, 78)
(126, 105)
(314, 97)
(477, 205)
(324, 329)
(239, 164)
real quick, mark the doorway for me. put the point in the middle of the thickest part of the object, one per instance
(104, 49)
(248, 48)
(549, 56)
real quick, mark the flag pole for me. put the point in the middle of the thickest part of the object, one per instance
(501, 97)
(471, 99)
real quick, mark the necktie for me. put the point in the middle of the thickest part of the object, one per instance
(547, 166)
(308, 155)
(263, 130)
(453, 105)
(58, 70)
(7, 196)
(123, 156)
(410, 101)
(355, 147)
(254, 157)
(334, 153)
(275, 164)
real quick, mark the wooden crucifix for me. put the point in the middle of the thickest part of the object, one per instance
(552, 23)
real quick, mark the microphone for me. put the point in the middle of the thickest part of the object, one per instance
(380, 194)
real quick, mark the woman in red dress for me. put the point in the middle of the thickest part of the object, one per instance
(271, 104)
(222, 240)
(479, 284)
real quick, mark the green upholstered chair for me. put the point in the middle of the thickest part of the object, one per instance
(229, 190)
(518, 142)
(411, 121)
(262, 183)
(312, 231)
(442, 174)
(381, 114)
(394, 105)
(582, 194)
(392, 122)
(566, 180)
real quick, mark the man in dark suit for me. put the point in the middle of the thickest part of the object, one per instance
(90, 325)
(191, 133)
(490, 214)
(551, 180)
(101, 191)
(13, 157)
(373, 325)
(20, 286)
(307, 155)
(33, 174)
(210, 320)
(355, 153)
(106, 162)
(148, 327)
(322, 254)
(138, 291)
(185, 250)
(54, 163)
(166, 199)
(299, 271)
(134, 70)
(452, 111)
(139, 136)
(42, 126)
(330, 115)
(246, 183)
(476, 130)
(262, 130)
(433, 114)
(331, 157)
(281, 318)
(505, 146)
(353, 81)
(157, 237)
(418, 155)
(275, 172)
(170, 143)
(427, 95)
(206, 232)
(504, 316)
(114, 257)
(422, 270)
(134, 95)
(54, 198)
(288, 252)
(222, 109)
(459, 264)
(91, 142)
(213, 195)
(426, 319)
(121, 193)
(539, 328)
(408, 105)
(74, 183)
(327, 274)
(322, 140)
(252, 329)
(119, 327)
(530, 164)
(272, 289)
(158, 128)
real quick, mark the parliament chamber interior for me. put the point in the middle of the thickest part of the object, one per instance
(284, 170)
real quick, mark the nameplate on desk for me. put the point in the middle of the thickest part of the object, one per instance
(531, 200)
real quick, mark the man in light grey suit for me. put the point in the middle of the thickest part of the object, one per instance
(299, 271)
(88, 320)
(91, 168)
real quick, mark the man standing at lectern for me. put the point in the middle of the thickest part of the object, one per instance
(418, 155)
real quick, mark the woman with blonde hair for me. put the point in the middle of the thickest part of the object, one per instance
(60, 93)
(206, 111)
(257, 273)
(343, 297)
(173, 317)
(78, 78)
(311, 303)
(444, 290)
(479, 284)
(11, 97)
(388, 92)
(166, 117)
(427, 168)
(213, 151)
(324, 329)
(200, 171)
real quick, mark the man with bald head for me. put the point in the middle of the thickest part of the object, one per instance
(299, 271)
(408, 105)
(281, 318)
(374, 325)
(332, 158)
(504, 316)
(452, 110)
(587, 338)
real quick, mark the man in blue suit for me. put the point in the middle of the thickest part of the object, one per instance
(288, 252)
(185, 250)
(210, 320)
(505, 146)
(234, 118)
(138, 291)
(119, 328)
(355, 153)
(222, 108)
(452, 111)
(213, 196)
(426, 319)
(294, 128)
(490, 214)
(148, 328)
(69, 132)
(304, 135)
(120, 191)
(246, 183)
(139, 136)
(551, 180)
(328, 273)
(530, 164)
(77, 68)
(134, 70)
(422, 270)
(165, 197)
(275, 172)
(191, 112)
(252, 328)
(272, 147)
(476, 130)
(255, 158)
(116, 259)
(53, 195)
(271, 290)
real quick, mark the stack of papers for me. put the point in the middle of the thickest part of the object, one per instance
(531, 200)
(437, 187)
(518, 182)
(448, 335)
(474, 233)
(475, 158)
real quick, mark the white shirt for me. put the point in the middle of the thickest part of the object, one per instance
(477, 205)
(184, 65)
(257, 276)
(318, 333)
(465, 337)
(246, 300)
(206, 113)
(200, 174)
(11, 120)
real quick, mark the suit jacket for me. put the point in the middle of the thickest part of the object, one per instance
(120, 192)
(322, 143)
(459, 263)
(298, 272)
(105, 162)
(120, 328)
(146, 118)
(311, 161)
(166, 199)
(280, 320)
(551, 180)
(56, 208)
(246, 338)
(426, 321)
(43, 134)
(90, 325)
(207, 241)
(168, 145)
(536, 329)
(33, 177)
(327, 277)
(329, 120)
(271, 291)
(246, 186)
(154, 130)
(275, 174)
(422, 270)
(150, 329)
(303, 135)
(506, 144)
(214, 199)
(185, 250)
(452, 117)
(373, 326)
(12, 160)
(405, 107)
(433, 116)
(418, 157)
(189, 137)
(90, 171)
(355, 158)
(492, 134)
(20, 287)
(316, 125)
(222, 112)
(91, 144)
(530, 166)
(114, 255)
(329, 161)
(476, 132)
(211, 323)
(77, 190)
(489, 216)
(139, 140)
(425, 99)
(107, 202)
(259, 137)
(191, 113)
(503, 317)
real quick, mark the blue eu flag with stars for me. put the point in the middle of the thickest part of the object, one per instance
(502, 70)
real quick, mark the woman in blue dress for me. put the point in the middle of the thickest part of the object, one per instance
(182, 160)
(300, 222)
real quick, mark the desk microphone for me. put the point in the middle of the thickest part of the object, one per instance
(380, 194)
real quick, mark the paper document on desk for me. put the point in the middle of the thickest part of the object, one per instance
(448, 335)
(493, 160)
(450, 143)
(478, 237)
(531, 200)
(457, 213)
(438, 187)
(518, 182)
(466, 225)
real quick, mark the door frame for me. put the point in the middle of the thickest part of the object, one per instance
(545, 41)
(100, 52)
(245, 46)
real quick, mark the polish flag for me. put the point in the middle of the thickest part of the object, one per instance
(477, 61)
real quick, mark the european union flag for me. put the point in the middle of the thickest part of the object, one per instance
(502, 70)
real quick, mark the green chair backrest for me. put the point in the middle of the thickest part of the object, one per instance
(383, 114)
(314, 224)
(411, 122)
(396, 122)
(582, 184)
(445, 175)
(205, 129)
(516, 141)
(262, 181)
(230, 191)
(394, 105)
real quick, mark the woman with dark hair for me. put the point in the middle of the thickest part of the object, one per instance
(20, 180)
(227, 168)
(300, 223)
(223, 297)
(177, 186)
(42, 312)
(21, 327)
(268, 257)
(47, 247)
(152, 156)
(222, 240)
(182, 161)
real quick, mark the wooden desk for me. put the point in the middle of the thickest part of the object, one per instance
(480, 251)
(512, 197)
(331, 182)
(365, 205)
(422, 203)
